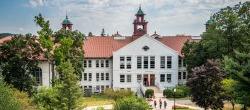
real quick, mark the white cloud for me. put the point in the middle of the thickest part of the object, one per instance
(165, 16)
(36, 3)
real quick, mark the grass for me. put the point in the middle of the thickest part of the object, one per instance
(96, 100)
(228, 106)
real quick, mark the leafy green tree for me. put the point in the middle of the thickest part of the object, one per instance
(230, 91)
(238, 69)
(68, 87)
(19, 57)
(131, 103)
(64, 50)
(205, 86)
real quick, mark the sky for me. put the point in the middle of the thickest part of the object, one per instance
(166, 17)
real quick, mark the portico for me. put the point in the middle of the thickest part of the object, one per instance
(149, 79)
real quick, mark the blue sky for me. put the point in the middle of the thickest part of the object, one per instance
(167, 17)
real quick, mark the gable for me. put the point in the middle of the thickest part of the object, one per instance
(146, 45)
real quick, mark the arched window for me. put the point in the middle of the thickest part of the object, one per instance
(37, 73)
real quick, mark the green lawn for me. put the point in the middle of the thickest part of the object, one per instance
(96, 100)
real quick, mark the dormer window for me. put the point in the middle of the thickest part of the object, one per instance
(145, 48)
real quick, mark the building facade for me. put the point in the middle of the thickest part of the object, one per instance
(128, 62)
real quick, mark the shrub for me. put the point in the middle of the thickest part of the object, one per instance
(131, 103)
(149, 93)
(7, 100)
(117, 94)
(24, 100)
(181, 92)
(168, 93)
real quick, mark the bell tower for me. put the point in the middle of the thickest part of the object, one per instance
(66, 24)
(140, 25)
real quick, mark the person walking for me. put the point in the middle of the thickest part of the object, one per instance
(160, 103)
(165, 104)
(155, 103)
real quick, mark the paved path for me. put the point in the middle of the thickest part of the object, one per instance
(106, 107)
(170, 103)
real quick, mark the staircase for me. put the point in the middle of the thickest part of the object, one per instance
(158, 93)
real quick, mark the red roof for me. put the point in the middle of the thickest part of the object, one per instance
(5, 39)
(103, 47)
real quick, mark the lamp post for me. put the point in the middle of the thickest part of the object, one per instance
(174, 98)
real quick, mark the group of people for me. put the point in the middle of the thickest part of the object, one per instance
(160, 103)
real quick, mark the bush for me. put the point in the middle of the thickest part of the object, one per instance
(181, 92)
(117, 94)
(7, 100)
(168, 93)
(24, 100)
(131, 103)
(149, 93)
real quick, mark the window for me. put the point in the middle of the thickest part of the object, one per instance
(107, 76)
(90, 63)
(122, 78)
(85, 76)
(102, 63)
(169, 61)
(102, 76)
(128, 63)
(122, 66)
(162, 65)
(169, 77)
(90, 76)
(145, 62)
(90, 87)
(97, 77)
(37, 74)
(139, 62)
(184, 63)
(129, 89)
(138, 78)
(102, 88)
(80, 77)
(184, 75)
(107, 63)
(128, 78)
(107, 86)
(152, 62)
(179, 75)
(97, 63)
(180, 62)
(85, 64)
(97, 88)
(162, 78)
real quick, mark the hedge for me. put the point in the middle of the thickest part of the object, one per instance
(181, 92)
(149, 93)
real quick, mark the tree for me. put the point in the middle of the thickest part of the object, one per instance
(68, 87)
(46, 41)
(19, 57)
(229, 86)
(131, 103)
(205, 85)
(50, 42)
(238, 69)
(65, 51)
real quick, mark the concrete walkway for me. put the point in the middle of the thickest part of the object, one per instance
(170, 103)
(106, 107)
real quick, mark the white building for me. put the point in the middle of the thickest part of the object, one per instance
(128, 62)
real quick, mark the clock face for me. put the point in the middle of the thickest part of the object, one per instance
(140, 27)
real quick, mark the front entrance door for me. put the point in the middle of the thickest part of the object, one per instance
(152, 80)
(145, 80)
